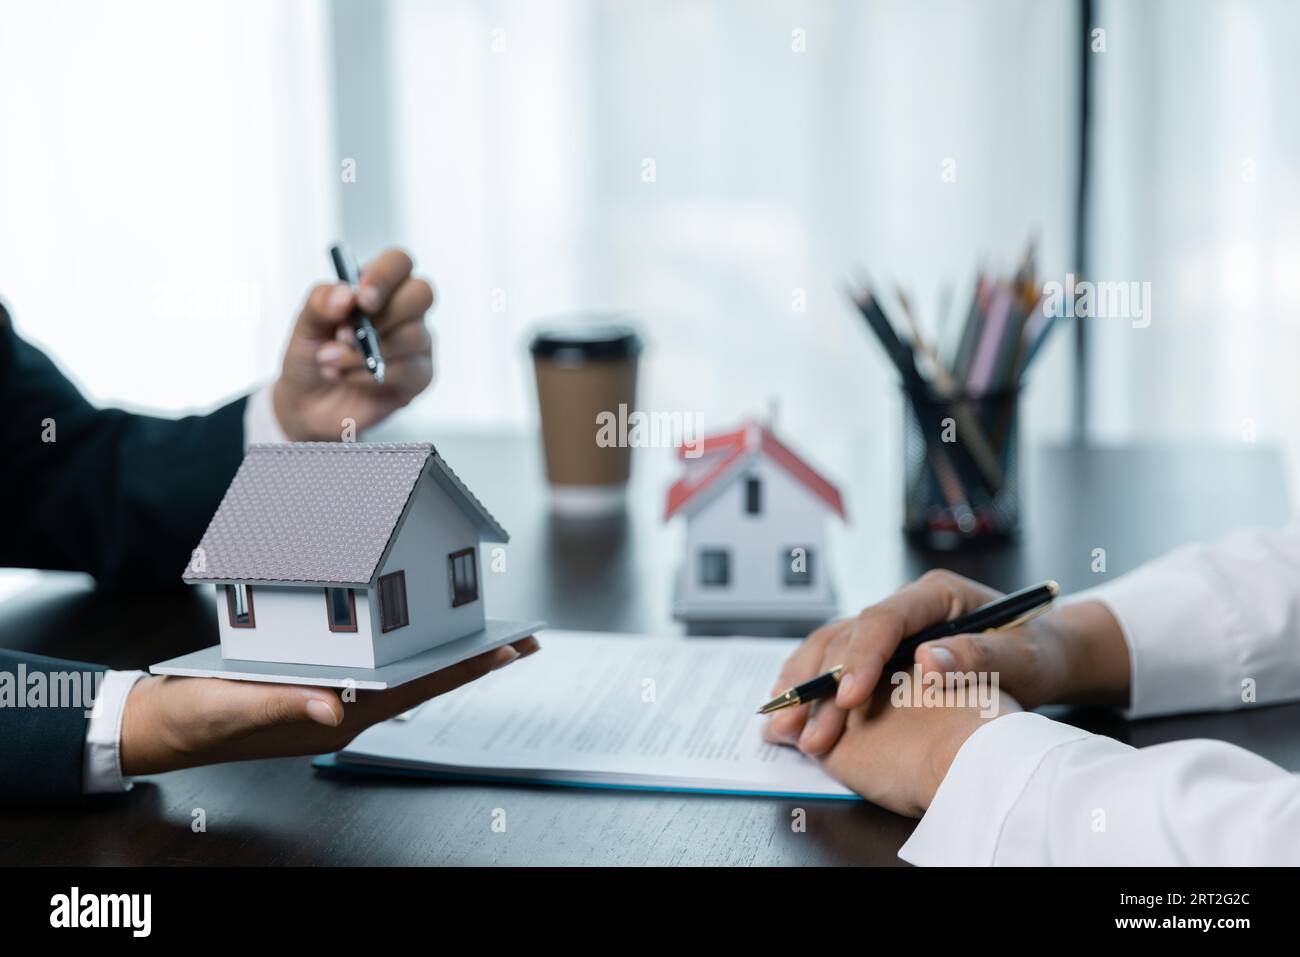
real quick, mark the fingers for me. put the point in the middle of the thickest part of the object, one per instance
(265, 705)
(935, 597)
(822, 729)
(386, 292)
(527, 646)
(863, 646)
(380, 279)
(413, 298)
(803, 661)
(404, 378)
(786, 726)
(379, 706)
(407, 696)
(863, 650)
(327, 305)
(339, 356)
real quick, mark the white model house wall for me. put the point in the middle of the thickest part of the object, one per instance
(291, 624)
(790, 516)
(435, 527)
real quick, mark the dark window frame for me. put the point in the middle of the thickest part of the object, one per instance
(725, 553)
(386, 626)
(352, 608)
(804, 579)
(457, 600)
(753, 495)
(230, 605)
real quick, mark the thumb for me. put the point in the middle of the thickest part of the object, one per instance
(1002, 653)
(281, 706)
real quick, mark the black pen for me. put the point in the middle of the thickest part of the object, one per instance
(367, 339)
(1005, 612)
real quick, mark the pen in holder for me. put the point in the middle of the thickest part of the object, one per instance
(960, 457)
(962, 392)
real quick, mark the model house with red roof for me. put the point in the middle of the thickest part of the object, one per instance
(756, 529)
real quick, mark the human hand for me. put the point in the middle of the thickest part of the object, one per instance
(896, 755)
(324, 380)
(1073, 654)
(172, 722)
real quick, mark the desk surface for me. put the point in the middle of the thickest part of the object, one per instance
(616, 576)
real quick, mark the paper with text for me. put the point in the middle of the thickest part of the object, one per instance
(594, 708)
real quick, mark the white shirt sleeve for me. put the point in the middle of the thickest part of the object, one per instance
(1026, 790)
(1208, 628)
(260, 423)
(101, 763)
(1212, 627)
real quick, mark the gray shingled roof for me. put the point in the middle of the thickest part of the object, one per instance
(322, 512)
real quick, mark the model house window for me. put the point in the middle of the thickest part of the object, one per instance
(239, 605)
(798, 563)
(753, 496)
(392, 601)
(715, 566)
(464, 577)
(341, 607)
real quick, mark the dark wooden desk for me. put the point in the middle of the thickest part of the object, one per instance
(616, 576)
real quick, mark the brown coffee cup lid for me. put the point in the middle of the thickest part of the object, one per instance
(585, 341)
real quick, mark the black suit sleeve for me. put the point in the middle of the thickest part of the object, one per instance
(124, 497)
(41, 745)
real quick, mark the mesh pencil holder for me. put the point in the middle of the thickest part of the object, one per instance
(960, 464)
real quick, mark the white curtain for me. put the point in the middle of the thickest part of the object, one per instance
(1198, 193)
(167, 188)
(717, 169)
(169, 180)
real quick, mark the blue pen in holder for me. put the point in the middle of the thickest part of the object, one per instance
(960, 457)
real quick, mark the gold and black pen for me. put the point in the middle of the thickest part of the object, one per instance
(1005, 612)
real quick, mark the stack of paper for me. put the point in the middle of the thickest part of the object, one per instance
(603, 710)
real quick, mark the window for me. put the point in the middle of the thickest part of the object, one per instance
(239, 606)
(798, 565)
(715, 566)
(392, 601)
(753, 496)
(341, 609)
(464, 577)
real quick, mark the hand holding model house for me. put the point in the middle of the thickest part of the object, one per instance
(345, 589)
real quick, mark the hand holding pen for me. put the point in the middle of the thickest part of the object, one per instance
(863, 649)
(328, 391)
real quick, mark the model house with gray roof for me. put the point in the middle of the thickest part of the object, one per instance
(343, 556)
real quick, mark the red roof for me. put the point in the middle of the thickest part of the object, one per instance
(749, 439)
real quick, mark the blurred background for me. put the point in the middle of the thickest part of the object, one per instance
(171, 174)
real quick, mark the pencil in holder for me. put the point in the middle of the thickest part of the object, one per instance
(960, 459)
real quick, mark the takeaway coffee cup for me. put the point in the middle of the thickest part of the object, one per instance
(586, 373)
